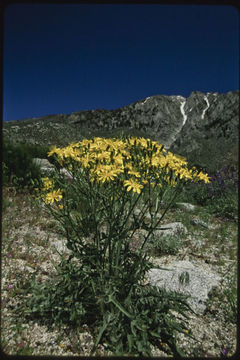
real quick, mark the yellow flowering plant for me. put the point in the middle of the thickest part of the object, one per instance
(108, 179)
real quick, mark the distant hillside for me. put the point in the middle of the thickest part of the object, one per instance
(202, 126)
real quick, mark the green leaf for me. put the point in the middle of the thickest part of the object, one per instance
(101, 331)
(132, 328)
(179, 351)
(130, 341)
(119, 306)
(153, 333)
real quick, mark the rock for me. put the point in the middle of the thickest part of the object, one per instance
(147, 216)
(186, 206)
(171, 229)
(47, 170)
(43, 163)
(187, 278)
(60, 246)
(46, 166)
(47, 269)
(212, 124)
(199, 222)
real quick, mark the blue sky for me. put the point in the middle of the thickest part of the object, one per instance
(63, 58)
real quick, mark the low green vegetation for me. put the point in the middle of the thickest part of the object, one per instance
(18, 167)
(164, 245)
(220, 196)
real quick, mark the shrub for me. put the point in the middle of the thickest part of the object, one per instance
(225, 206)
(35, 150)
(102, 282)
(4, 173)
(219, 195)
(19, 168)
(197, 194)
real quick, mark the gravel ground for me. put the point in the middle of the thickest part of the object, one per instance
(29, 244)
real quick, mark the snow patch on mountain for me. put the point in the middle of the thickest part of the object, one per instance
(146, 100)
(204, 111)
(182, 101)
(180, 97)
(183, 112)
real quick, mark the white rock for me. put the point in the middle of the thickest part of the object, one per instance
(60, 246)
(196, 281)
(199, 222)
(147, 215)
(43, 163)
(171, 229)
(185, 206)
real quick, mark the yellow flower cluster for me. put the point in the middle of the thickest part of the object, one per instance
(52, 195)
(135, 162)
(47, 183)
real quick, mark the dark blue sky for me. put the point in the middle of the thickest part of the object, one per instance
(65, 58)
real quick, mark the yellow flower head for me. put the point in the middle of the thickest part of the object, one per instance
(133, 185)
(135, 173)
(55, 195)
(53, 150)
(107, 173)
(204, 177)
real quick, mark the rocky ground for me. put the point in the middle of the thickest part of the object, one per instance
(30, 243)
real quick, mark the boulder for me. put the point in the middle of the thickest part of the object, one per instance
(147, 216)
(185, 206)
(60, 246)
(189, 278)
(171, 229)
(43, 163)
(199, 222)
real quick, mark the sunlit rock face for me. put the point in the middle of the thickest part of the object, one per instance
(183, 125)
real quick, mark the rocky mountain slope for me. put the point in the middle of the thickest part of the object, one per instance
(206, 123)
(211, 129)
